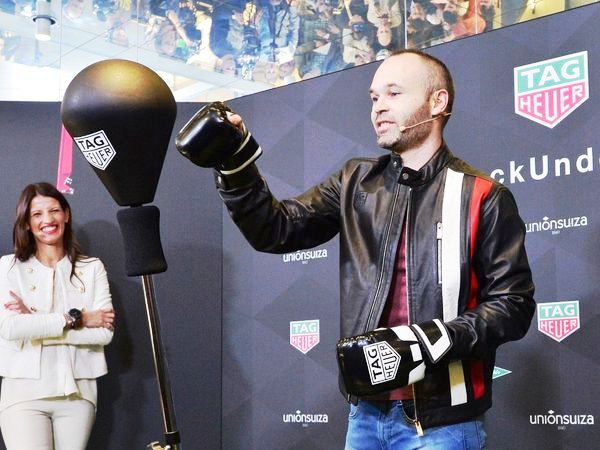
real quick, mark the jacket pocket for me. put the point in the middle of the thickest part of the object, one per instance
(15, 345)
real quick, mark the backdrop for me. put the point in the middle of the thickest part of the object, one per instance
(522, 114)
(250, 337)
(188, 294)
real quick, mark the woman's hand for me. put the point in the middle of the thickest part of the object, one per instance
(99, 318)
(16, 304)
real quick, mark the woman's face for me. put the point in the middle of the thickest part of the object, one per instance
(47, 220)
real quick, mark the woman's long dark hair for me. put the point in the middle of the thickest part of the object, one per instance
(23, 239)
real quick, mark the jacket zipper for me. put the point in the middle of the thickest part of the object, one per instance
(439, 251)
(406, 255)
(383, 258)
(414, 421)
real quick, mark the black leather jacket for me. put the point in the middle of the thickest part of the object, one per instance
(481, 287)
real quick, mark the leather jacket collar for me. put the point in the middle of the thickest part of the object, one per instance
(410, 177)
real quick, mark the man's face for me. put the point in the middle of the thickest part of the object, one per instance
(324, 6)
(169, 40)
(417, 11)
(74, 9)
(228, 66)
(120, 36)
(286, 69)
(364, 56)
(271, 72)
(398, 94)
(384, 33)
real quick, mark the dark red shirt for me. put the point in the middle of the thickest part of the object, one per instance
(395, 312)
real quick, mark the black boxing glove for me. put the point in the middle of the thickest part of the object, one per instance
(389, 358)
(209, 139)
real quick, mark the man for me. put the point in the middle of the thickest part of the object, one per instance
(278, 28)
(431, 250)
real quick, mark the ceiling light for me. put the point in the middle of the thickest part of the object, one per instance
(44, 20)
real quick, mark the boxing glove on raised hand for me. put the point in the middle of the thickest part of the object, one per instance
(209, 139)
(389, 358)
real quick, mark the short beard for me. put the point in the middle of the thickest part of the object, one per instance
(399, 141)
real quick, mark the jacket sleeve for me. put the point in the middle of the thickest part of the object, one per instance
(274, 226)
(19, 327)
(505, 286)
(102, 300)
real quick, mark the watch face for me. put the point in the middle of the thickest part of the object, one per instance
(75, 313)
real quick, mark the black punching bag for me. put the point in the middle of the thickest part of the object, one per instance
(121, 116)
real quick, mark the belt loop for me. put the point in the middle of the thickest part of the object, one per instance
(353, 399)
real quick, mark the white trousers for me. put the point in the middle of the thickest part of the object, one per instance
(48, 424)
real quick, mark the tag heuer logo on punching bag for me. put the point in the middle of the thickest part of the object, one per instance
(304, 334)
(548, 91)
(96, 149)
(559, 319)
(382, 361)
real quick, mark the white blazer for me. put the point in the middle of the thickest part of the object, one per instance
(22, 335)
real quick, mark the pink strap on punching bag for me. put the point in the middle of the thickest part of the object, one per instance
(65, 163)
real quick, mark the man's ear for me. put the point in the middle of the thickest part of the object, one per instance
(439, 102)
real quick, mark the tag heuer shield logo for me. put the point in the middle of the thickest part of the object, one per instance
(559, 319)
(96, 148)
(382, 361)
(548, 91)
(304, 334)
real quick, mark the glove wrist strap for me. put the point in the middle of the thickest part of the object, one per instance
(434, 338)
(248, 152)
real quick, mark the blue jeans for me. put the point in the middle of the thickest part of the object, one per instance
(384, 426)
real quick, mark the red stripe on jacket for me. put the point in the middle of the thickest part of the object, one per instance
(481, 189)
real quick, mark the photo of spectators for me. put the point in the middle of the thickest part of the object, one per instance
(278, 28)
(299, 39)
(320, 49)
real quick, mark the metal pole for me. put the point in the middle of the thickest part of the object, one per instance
(172, 437)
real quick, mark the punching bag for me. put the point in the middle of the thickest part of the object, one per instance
(120, 115)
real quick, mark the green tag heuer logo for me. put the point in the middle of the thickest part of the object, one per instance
(499, 372)
(548, 91)
(559, 319)
(304, 334)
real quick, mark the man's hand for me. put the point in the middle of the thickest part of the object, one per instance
(217, 137)
(389, 358)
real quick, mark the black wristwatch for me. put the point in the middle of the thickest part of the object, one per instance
(77, 317)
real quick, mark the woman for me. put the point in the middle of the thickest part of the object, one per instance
(56, 317)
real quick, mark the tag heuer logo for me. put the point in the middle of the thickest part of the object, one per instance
(499, 372)
(382, 361)
(559, 319)
(96, 149)
(304, 334)
(548, 91)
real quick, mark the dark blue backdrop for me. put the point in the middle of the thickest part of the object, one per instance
(546, 394)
